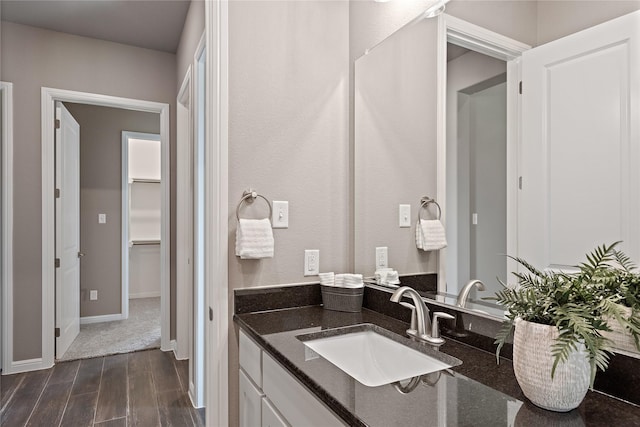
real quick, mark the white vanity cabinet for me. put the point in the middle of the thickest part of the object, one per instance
(271, 397)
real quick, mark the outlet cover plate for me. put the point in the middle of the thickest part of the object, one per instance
(311, 262)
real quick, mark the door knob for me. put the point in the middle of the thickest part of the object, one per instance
(80, 254)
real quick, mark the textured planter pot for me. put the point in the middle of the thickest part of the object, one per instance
(622, 339)
(532, 363)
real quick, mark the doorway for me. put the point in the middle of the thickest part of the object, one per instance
(49, 97)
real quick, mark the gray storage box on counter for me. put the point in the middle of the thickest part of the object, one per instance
(342, 299)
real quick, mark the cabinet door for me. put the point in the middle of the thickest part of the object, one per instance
(250, 402)
(581, 145)
(270, 416)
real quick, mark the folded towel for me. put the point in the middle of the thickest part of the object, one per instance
(348, 280)
(327, 279)
(254, 239)
(430, 235)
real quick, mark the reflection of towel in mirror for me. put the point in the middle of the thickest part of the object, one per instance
(430, 235)
(254, 239)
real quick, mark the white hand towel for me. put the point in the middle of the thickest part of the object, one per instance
(254, 239)
(430, 235)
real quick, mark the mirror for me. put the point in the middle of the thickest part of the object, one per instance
(454, 131)
(396, 163)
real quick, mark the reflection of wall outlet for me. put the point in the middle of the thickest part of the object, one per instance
(381, 257)
(93, 295)
(311, 262)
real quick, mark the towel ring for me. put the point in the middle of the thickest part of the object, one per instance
(425, 202)
(249, 196)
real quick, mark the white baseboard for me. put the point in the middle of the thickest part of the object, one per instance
(99, 319)
(26, 365)
(152, 294)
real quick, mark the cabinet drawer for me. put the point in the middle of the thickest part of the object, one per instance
(251, 359)
(296, 404)
(270, 415)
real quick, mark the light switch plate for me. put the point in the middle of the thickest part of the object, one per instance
(404, 216)
(382, 260)
(93, 295)
(102, 218)
(280, 215)
(311, 262)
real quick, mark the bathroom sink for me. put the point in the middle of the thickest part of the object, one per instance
(373, 356)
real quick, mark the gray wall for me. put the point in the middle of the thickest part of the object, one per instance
(288, 138)
(191, 34)
(33, 58)
(101, 192)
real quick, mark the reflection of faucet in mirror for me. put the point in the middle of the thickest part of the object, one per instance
(464, 293)
(430, 379)
(420, 322)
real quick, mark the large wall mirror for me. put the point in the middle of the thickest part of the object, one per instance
(438, 113)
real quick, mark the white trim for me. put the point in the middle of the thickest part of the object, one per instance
(49, 96)
(197, 366)
(26, 365)
(474, 37)
(125, 248)
(217, 212)
(184, 217)
(6, 263)
(102, 318)
(151, 294)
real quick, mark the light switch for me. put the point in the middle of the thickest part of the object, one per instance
(102, 218)
(280, 215)
(474, 219)
(404, 216)
(93, 295)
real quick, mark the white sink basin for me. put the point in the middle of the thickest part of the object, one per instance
(374, 359)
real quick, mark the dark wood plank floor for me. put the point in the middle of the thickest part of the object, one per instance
(146, 388)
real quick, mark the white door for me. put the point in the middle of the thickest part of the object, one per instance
(581, 145)
(67, 229)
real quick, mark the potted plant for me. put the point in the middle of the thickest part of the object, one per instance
(558, 320)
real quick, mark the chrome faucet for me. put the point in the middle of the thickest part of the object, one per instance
(421, 327)
(464, 293)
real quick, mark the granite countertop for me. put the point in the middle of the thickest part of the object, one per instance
(478, 392)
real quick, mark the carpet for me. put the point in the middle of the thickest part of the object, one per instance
(141, 331)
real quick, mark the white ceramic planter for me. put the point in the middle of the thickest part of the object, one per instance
(532, 363)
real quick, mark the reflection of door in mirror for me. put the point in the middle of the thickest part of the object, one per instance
(476, 168)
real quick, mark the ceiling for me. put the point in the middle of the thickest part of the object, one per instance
(151, 24)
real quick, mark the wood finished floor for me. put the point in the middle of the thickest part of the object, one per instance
(146, 388)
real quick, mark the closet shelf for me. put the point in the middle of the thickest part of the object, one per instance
(144, 180)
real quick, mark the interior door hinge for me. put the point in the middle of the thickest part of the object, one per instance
(520, 87)
(57, 193)
(57, 123)
(57, 262)
(57, 332)
(520, 182)
(211, 314)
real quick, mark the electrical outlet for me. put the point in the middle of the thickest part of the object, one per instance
(93, 295)
(382, 257)
(311, 262)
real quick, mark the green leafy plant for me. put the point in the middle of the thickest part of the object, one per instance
(579, 303)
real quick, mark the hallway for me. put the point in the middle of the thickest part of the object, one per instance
(146, 388)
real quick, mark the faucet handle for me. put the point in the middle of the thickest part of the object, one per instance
(435, 327)
(414, 319)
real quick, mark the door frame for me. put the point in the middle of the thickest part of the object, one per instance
(217, 212)
(125, 248)
(184, 217)
(48, 98)
(492, 44)
(6, 262)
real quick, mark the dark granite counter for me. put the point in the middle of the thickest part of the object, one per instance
(477, 393)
